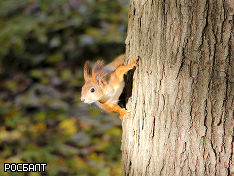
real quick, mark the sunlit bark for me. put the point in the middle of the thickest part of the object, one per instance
(182, 97)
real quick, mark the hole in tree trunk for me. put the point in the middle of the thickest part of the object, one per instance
(127, 91)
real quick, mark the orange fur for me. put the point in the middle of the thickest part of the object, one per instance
(86, 71)
(106, 83)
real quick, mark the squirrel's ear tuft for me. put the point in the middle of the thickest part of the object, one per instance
(97, 71)
(98, 66)
(87, 74)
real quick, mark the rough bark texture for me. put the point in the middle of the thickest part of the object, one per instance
(182, 94)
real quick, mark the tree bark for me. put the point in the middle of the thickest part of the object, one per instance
(181, 106)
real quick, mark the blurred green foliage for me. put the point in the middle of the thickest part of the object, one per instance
(44, 32)
(44, 44)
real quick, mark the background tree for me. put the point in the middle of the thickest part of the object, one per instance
(182, 96)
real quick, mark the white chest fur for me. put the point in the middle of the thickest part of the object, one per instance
(114, 93)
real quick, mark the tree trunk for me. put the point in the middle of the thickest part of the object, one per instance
(182, 93)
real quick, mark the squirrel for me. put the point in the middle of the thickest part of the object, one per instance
(104, 84)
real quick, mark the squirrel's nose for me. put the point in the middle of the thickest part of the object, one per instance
(82, 99)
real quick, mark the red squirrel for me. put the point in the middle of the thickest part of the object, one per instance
(104, 84)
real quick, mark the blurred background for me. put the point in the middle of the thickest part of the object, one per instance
(43, 45)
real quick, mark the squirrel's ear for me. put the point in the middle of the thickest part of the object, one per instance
(97, 71)
(87, 71)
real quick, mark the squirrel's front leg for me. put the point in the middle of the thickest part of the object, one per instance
(121, 70)
(114, 108)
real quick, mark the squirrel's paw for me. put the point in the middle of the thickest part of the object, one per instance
(133, 63)
(123, 113)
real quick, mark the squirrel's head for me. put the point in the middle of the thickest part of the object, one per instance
(92, 90)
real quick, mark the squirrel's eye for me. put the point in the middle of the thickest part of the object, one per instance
(92, 90)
